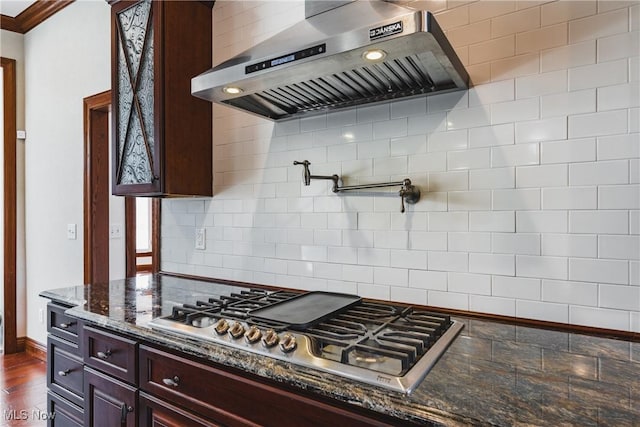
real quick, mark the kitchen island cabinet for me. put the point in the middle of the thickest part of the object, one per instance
(494, 373)
(161, 134)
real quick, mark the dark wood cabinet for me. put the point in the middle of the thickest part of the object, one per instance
(156, 412)
(108, 402)
(162, 136)
(66, 413)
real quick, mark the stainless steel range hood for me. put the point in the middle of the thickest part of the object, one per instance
(319, 64)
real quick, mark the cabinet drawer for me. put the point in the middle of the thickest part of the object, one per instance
(64, 370)
(235, 400)
(112, 354)
(61, 325)
(66, 413)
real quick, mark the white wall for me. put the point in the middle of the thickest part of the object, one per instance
(12, 46)
(531, 202)
(68, 59)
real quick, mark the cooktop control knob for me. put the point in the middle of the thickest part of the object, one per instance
(253, 334)
(222, 327)
(236, 330)
(270, 338)
(288, 343)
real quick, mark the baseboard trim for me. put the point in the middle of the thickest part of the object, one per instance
(33, 348)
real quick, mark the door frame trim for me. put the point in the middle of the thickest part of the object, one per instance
(100, 102)
(10, 204)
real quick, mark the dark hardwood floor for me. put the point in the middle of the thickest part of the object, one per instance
(23, 391)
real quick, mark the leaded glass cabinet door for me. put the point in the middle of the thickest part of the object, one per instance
(136, 166)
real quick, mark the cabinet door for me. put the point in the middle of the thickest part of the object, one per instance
(155, 412)
(108, 402)
(136, 166)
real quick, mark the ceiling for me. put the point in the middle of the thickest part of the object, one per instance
(13, 8)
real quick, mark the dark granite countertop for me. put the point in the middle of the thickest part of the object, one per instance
(493, 374)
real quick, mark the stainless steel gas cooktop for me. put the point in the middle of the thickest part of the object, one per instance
(378, 343)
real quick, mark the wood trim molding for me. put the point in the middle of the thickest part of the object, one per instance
(35, 349)
(563, 327)
(130, 236)
(96, 201)
(10, 205)
(32, 16)
(156, 210)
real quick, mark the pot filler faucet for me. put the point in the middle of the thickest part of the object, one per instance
(408, 193)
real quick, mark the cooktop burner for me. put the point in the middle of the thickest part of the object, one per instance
(378, 343)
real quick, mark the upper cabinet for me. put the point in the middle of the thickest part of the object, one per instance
(162, 138)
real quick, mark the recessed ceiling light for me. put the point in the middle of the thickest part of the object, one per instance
(374, 55)
(232, 90)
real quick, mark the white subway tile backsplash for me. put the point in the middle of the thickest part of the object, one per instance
(564, 11)
(469, 200)
(512, 111)
(487, 160)
(515, 243)
(469, 242)
(544, 267)
(448, 261)
(488, 136)
(448, 300)
(541, 176)
(619, 96)
(517, 199)
(598, 75)
(599, 317)
(541, 222)
(619, 247)
(600, 25)
(516, 22)
(620, 297)
(493, 305)
(492, 178)
(390, 276)
(446, 141)
(491, 93)
(541, 130)
(478, 284)
(547, 311)
(570, 151)
(542, 38)
(449, 181)
(619, 196)
(618, 46)
(569, 198)
(599, 270)
(562, 104)
(570, 245)
(500, 264)
(516, 287)
(515, 155)
(469, 159)
(572, 55)
(492, 221)
(578, 293)
(468, 118)
(409, 259)
(594, 173)
(432, 280)
(541, 84)
(599, 222)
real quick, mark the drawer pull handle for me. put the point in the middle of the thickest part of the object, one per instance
(66, 325)
(126, 409)
(64, 373)
(104, 355)
(175, 381)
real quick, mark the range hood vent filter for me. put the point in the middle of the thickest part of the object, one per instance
(278, 86)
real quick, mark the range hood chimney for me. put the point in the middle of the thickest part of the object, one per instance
(345, 53)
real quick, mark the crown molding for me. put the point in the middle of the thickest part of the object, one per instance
(32, 16)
